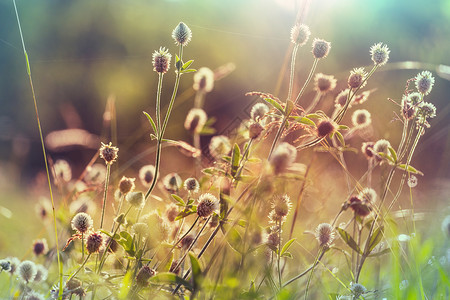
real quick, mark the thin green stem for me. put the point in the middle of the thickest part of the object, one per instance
(105, 192)
(291, 79)
(79, 269)
(316, 261)
(60, 265)
(304, 272)
(310, 75)
(158, 104)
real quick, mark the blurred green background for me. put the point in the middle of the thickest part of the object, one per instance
(83, 52)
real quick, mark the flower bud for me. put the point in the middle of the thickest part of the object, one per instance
(321, 48)
(182, 34)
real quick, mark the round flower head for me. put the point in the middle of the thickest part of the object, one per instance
(62, 171)
(367, 149)
(135, 199)
(120, 219)
(113, 245)
(208, 204)
(379, 54)
(172, 182)
(324, 83)
(300, 34)
(361, 209)
(426, 110)
(325, 234)
(357, 290)
(108, 153)
(161, 60)
(94, 242)
(82, 222)
(204, 80)
(187, 241)
(5, 265)
(126, 185)
(273, 239)
(95, 174)
(368, 196)
(407, 109)
(361, 118)
(171, 212)
(14, 262)
(254, 130)
(415, 98)
(381, 146)
(27, 271)
(283, 157)
(356, 78)
(341, 99)
(321, 48)
(192, 185)
(424, 82)
(41, 273)
(158, 227)
(445, 226)
(140, 229)
(82, 204)
(182, 34)
(146, 174)
(33, 295)
(281, 206)
(412, 181)
(195, 120)
(219, 145)
(325, 128)
(259, 110)
(40, 247)
(144, 275)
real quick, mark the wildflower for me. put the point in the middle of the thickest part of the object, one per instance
(161, 60)
(361, 98)
(83, 204)
(367, 149)
(325, 234)
(283, 157)
(445, 226)
(126, 185)
(219, 145)
(182, 34)
(341, 99)
(140, 229)
(74, 286)
(94, 242)
(368, 196)
(40, 247)
(381, 146)
(41, 273)
(321, 48)
(146, 174)
(5, 265)
(172, 182)
(414, 98)
(408, 110)
(380, 54)
(424, 82)
(207, 205)
(192, 185)
(258, 111)
(357, 290)
(14, 262)
(113, 245)
(158, 227)
(426, 110)
(273, 239)
(195, 120)
(144, 275)
(281, 206)
(172, 212)
(135, 199)
(361, 118)
(62, 171)
(254, 130)
(204, 80)
(324, 83)
(361, 209)
(325, 128)
(82, 222)
(300, 34)
(27, 271)
(108, 153)
(187, 241)
(412, 181)
(43, 208)
(95, 174)
(356, 78)
(120, 219)
(33, 295)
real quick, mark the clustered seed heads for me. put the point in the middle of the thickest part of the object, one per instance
(424, 82)
(281, 205)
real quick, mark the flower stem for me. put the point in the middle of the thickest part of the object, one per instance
(105, 193)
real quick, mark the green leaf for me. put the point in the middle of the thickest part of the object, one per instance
(178, 199)
(343, 127)
(275, 104)
(207, 130)
(287, 254)
(384, 251)
(289, 107)
(125, 286)
(196, 272)
(127, 243)
(304, 120)
(340, 138)
(376, 237)
(188, 71)
(186, 212)
(151, 122)
(187, 65)
(235, 240)
(347, 238)
(170, 278)
(393, 154)
(410, 169)
(287, 246)
(313, 116)
(235, 157)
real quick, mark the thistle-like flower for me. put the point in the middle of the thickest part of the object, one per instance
(325, 128)
(283, 157)
(361, 118)
(281, 206)
(204, 80)
(300, 34)
(40, 247)
(108, 153)
(424, 82)
(357, 290)
(368, 196)
(27, 271)
(182, 34)
(82, 222)
(367, 149)
(415, 98)
(208, 204)
(135, 199)
(146, 174)
(195, 120)
(324, 83)
(94, 242)
(426, 110)
(161, 60)
(341, 99)
(192, 185)
(5, 265)
(41, 273)
(356, 78)
(381, 146)
(380, 54)
(126, 185)
(254, 130)
(258, 111)
(320, 48)
(172, 182)
(62, 171)
(325, 234)
(219, 145)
